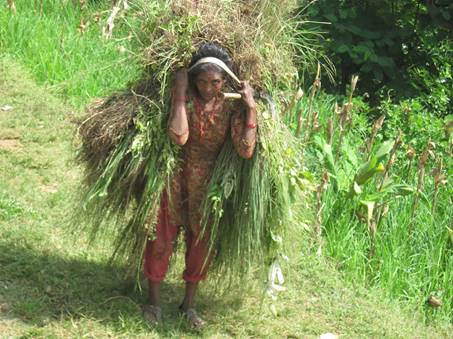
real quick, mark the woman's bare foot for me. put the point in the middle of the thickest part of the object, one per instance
(192, 317)
(152, 315)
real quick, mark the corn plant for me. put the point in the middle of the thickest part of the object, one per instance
(377, 213)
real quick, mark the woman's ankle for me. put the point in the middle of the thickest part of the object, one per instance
(154, 293)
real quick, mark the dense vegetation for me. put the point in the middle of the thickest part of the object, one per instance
(385, 156)
(381, 158)
(401, 49)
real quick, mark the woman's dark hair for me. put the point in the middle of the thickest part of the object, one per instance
(208, 50)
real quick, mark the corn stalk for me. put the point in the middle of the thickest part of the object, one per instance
(387, 167)
(295, 99)
(318, 231)
(391, 160)
(344, 115)
(329, 131)
(421, 176)
(410, 154)
(439, 179)
(372, 225)
(314, 88)
(377, 125)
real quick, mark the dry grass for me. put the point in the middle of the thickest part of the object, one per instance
(259, 35)
(107, 121)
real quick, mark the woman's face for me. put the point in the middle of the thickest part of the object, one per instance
(209, 84)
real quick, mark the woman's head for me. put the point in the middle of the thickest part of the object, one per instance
(208, 79)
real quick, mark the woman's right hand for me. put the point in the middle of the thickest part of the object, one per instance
(180, 86)
(246, 92)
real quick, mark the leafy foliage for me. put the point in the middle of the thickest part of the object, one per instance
(392, 44)
(382, 198)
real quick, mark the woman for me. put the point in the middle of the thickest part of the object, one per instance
(200, 121)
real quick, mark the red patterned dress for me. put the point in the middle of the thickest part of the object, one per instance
(181, 204)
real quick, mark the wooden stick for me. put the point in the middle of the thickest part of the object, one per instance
(232, 96)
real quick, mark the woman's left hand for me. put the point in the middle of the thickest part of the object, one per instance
(246, 92)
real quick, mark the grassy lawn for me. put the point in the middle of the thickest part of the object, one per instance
(53, 286)
(50, 44)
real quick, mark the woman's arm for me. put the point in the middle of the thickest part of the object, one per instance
(178, 127)
(244, 126)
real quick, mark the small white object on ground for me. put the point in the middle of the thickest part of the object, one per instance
(275, 280)
(6, 108)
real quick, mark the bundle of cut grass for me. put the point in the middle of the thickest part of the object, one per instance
(263, 37)
(129, 158)
(249, 209)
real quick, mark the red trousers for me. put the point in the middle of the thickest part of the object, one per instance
(159, 251)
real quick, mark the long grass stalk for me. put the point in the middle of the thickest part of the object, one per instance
(39, 5)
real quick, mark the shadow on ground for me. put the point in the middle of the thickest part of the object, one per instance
(40, 287)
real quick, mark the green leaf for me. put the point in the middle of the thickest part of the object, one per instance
(370, 208)
(342, 48)
(385, 62)
(364, 50)
(372, 166)
(403, 189)
(378, 75)
(366, 171)
(328, 158)
(384, 150)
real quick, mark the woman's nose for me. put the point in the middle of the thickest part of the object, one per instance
(208, 89)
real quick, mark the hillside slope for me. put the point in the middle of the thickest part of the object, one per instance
(53, 285)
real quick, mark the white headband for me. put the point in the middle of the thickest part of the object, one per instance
(219, 63)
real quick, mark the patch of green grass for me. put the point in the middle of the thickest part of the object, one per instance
(53, 286)
(74, 65)
(10, 208)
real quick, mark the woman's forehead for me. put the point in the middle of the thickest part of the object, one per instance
(210, 74)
